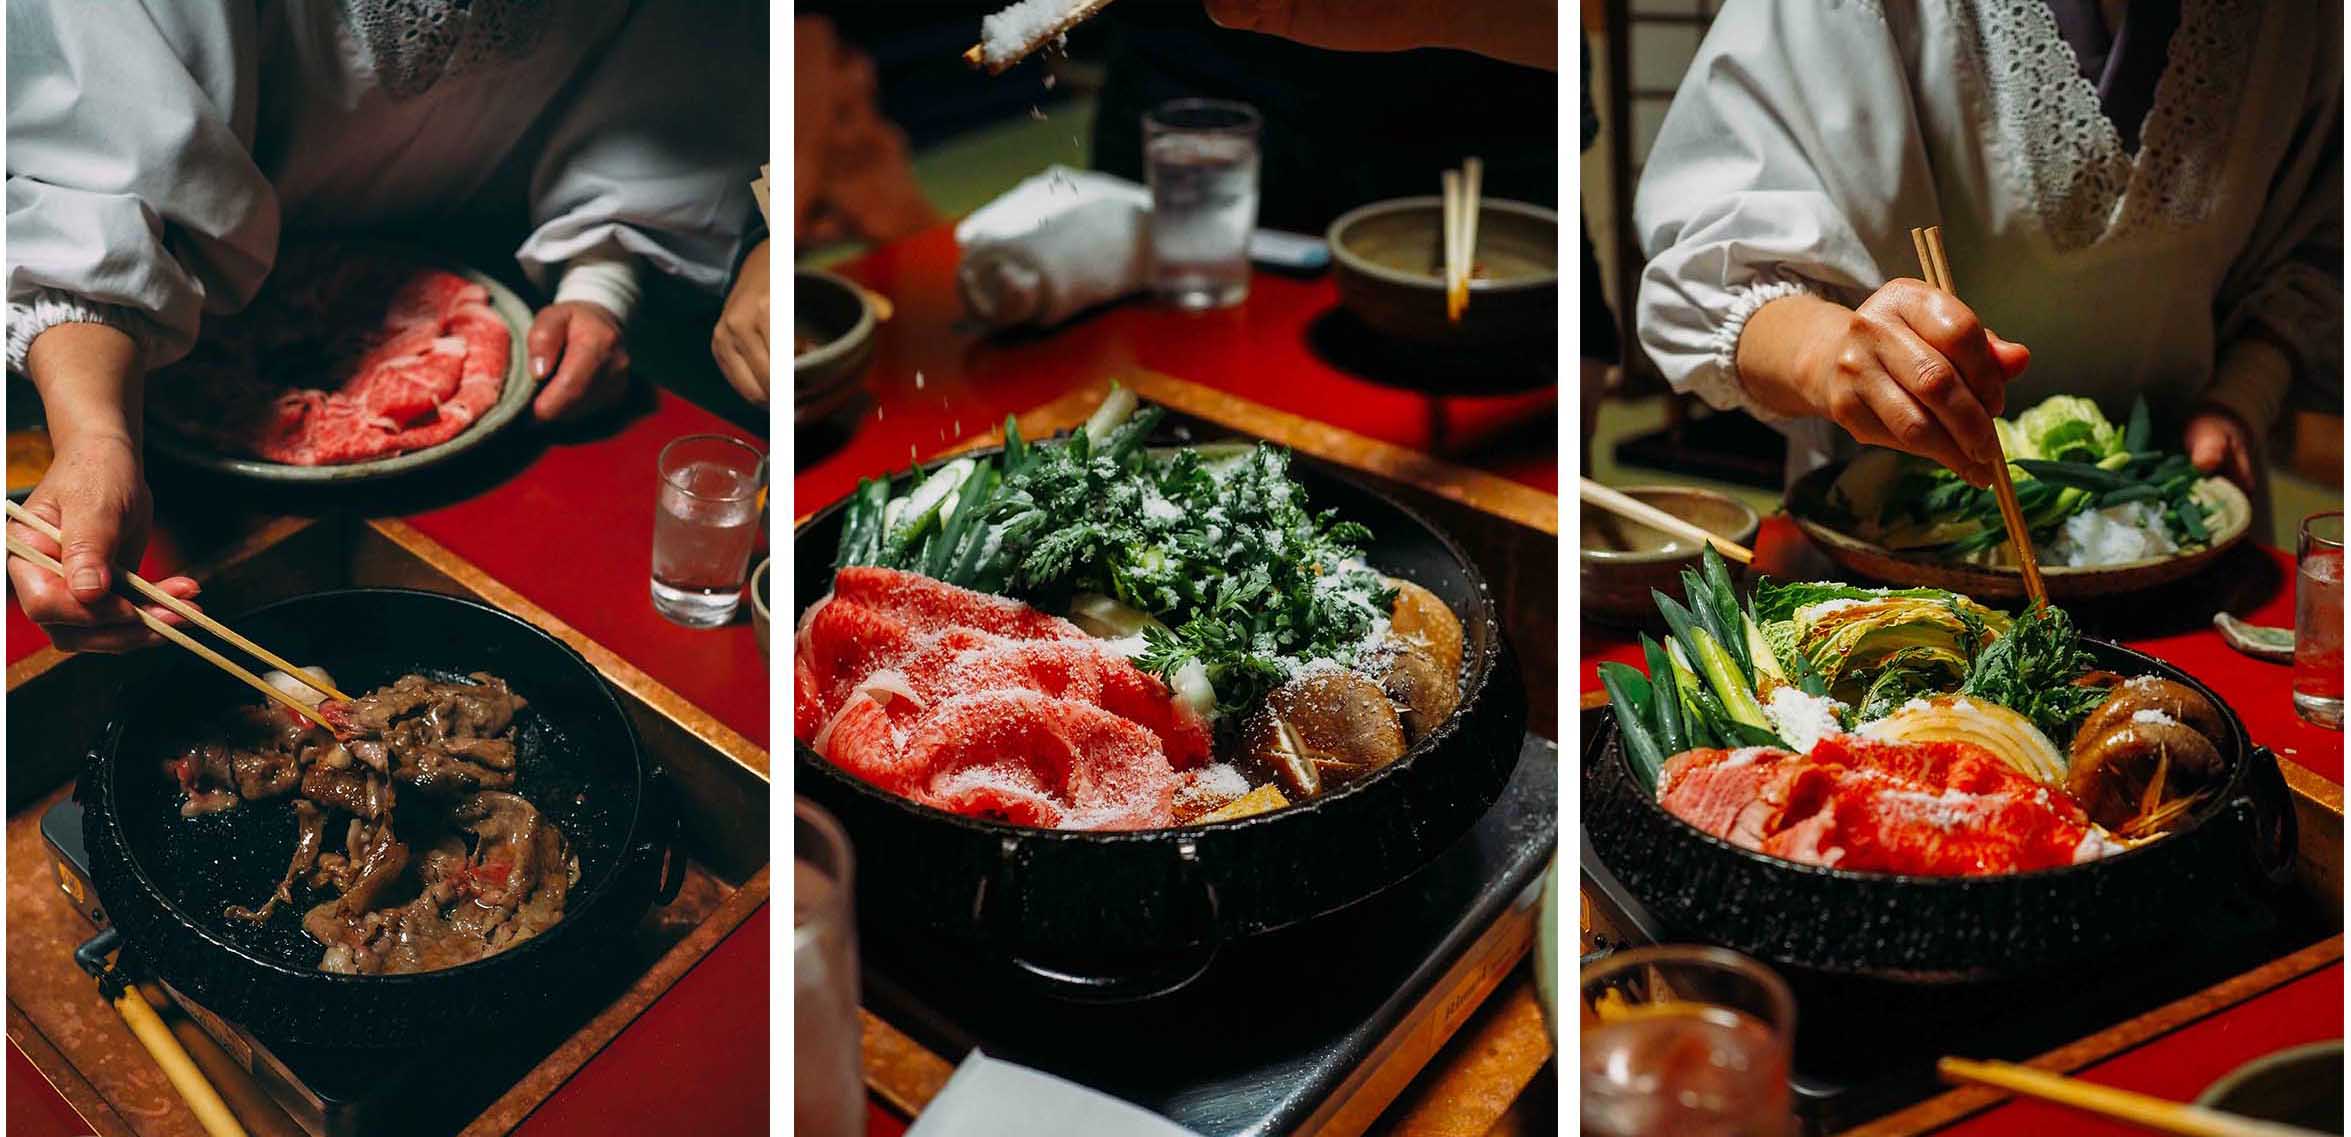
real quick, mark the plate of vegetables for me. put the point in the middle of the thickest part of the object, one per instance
(2108, 511)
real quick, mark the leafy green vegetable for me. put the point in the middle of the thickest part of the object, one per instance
(2031, 670)
(1246, 580)
(1669, 701)
(1630, 693)
(2067, 426)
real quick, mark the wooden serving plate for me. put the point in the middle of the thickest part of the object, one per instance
(79, 1043)
(1466, 1050)
(1911, 570)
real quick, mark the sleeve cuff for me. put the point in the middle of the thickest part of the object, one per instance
(45, 309)
(607, 280)
(1718, 383)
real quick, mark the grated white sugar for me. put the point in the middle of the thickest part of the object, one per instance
(1009, 34)
(2153, 716)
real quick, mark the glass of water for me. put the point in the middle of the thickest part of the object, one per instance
(2318, 620)
(704, 525)
(1201, 158)
(828, 1070)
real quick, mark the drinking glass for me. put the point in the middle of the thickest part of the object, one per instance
(2318, 620)
(704, 525)
(1201, 158)
(828, 1073)
(1683, 1041)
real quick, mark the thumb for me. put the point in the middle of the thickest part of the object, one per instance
(545, 340)
(92, 528)
(2011, 356)
(2207, 449)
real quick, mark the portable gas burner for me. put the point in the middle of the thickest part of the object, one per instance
(1283, 1029)
(329, 1092)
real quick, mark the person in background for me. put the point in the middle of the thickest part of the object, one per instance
(2149, 194)
(159, 155)
(738, 342)
(851, 176)
(1597, 345)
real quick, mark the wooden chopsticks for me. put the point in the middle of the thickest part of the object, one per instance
(2106, 1101)
(191, 614)
(1463, 189)
(1936, 268)
(977, 56)
(1634, 509)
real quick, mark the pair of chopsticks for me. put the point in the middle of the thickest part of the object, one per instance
(187, 612)
(1462, 190)
(1634, 509)
(2106, 1101)
(1936, 268)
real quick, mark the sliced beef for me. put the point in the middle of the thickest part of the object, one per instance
(310, 825)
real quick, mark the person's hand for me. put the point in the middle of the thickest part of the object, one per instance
(575, 347)
(1514, 31)
(739, 342)
(95, 495)
(2218, 442)
(1912, 369)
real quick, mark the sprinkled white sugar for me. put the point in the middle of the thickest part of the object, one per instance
(1803, 720)
(2152, 716)
(1007, 34)
(2096, 843)
(1914, 706)
(1963, 706)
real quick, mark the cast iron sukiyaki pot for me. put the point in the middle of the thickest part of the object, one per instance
(164, 880)
(1956, 928)
(1114, 914)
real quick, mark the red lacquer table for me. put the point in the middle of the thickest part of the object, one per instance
(935, 382)
(2258, 586)
(567, 522)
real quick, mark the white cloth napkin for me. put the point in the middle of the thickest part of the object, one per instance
(1059, 243)
(992, 1098)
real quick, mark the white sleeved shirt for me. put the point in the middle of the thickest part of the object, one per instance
(159, 150)
(1809, 136)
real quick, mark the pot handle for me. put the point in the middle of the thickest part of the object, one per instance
(673, 838)
(1001, 921)
(2267, 809)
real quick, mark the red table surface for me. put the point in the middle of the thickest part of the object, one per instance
(2180, 1064)
(934, 381)
(573, 532)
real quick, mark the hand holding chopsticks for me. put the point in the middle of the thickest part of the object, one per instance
(188, 612)
(1936, 267)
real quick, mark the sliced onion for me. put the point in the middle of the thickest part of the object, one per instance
(1957, 718)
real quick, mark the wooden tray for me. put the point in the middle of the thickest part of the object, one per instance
(2318, 882)
(1470, 1047)
(60, 701)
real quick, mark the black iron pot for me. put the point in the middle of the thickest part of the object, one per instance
(1128, 914)
(164, 879)
(1921, 929)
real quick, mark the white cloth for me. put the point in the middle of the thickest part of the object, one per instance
(156, 149)
(988, 1097)
(1057, 244)
(1809, 136)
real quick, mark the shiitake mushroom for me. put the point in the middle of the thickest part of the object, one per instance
(2147, 728)
(1421, 689)
(2153, 693)
(1422, 621)
(1321, 731)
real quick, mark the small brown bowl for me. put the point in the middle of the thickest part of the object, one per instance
(1622, 560)
(830, 315)
(1389, 258)
(758, 591)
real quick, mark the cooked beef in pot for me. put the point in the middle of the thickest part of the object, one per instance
(465, 870)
